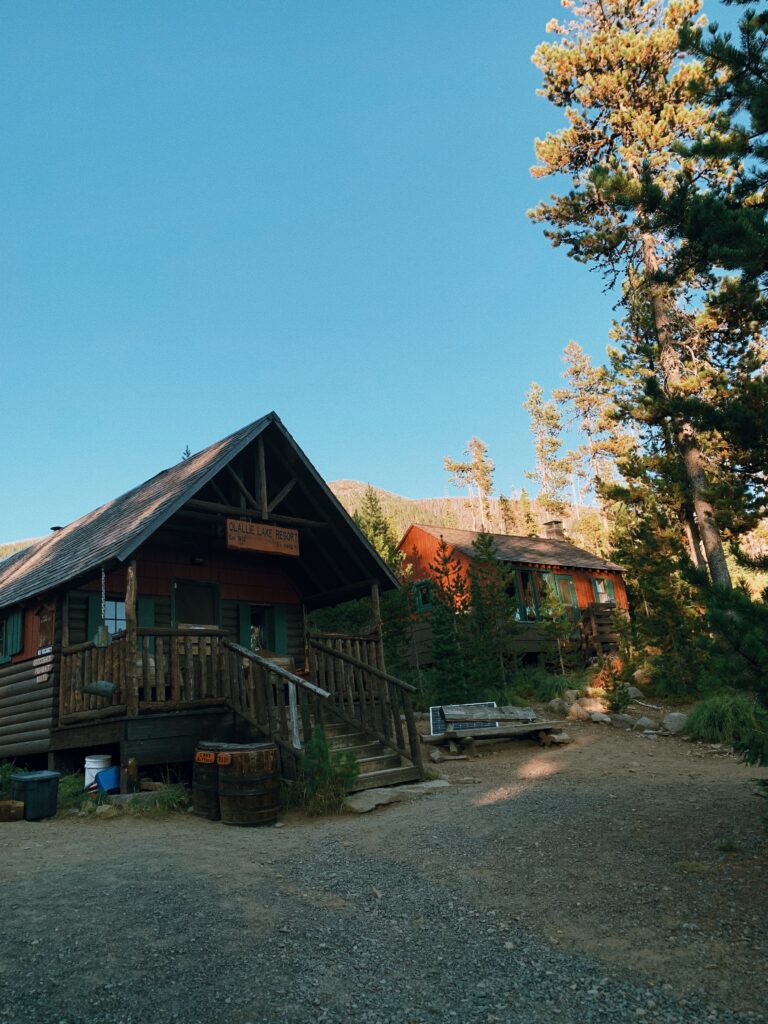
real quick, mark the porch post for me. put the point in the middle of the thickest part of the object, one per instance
(376, 610)
(131, 682)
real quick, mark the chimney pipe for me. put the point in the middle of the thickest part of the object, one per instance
(553, 529)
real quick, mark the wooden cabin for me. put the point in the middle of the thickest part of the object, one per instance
(589, 587)
(177, 613)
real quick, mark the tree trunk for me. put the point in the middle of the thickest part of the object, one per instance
(685, 435)
(691, 528)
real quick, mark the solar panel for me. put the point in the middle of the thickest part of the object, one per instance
(438, 725)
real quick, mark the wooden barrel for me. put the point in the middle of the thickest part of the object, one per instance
(249, 784)
(205, 779)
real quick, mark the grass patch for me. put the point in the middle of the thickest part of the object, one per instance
(171, 797)
(729, 718)
(325, 778)
(72, 795)
(7, 768)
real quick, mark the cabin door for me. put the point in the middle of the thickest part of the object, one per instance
(263, 627)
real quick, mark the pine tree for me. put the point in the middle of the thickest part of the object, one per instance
(552, 467)
(477, 476)
(631, 101)
(530, 524)
(377, 528)
(450, 600)
(491, 621)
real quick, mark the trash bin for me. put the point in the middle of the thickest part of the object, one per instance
(39, 792)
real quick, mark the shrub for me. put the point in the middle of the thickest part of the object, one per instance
(325, 777)
(732, 718)
(7, 768)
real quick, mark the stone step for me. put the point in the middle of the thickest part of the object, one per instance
(387, 777)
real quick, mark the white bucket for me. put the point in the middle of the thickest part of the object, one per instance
(94, 764)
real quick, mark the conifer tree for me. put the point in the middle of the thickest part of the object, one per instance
(476, 475)
(491, 622)
(530, 524)
(377, 528)
(552, 467)
(631, 100)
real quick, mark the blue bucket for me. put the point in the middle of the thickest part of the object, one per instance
(108, 780)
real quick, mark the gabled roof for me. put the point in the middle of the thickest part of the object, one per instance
(115, 530)
(522, 550)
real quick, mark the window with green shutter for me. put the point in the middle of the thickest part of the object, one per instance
(11, 634)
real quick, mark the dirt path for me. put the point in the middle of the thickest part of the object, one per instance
(614, 879)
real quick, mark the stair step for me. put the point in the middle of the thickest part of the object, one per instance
(361, 750)
(379, 762)
(387, 777)
(348, 739)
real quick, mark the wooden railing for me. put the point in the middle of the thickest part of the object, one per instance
(364, 695)
(281, 704)
(599, 634)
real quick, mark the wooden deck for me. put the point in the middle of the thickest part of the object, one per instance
(173, 674)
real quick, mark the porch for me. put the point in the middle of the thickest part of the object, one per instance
(176, 672)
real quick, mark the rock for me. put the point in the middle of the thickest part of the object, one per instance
(559, 706)
(622, 721)
(591, 704)
(642, 676)
(560, 737)
(634, 693)
(436, 756)
(576, 713)
(571, 696)
(107, 811)
(600, 718)
(369, 799)
(674, 722)
(644, 723)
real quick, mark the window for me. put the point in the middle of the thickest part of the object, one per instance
(527, 603)
(423, 594)
(603, 590)
(195, 604)
(114, 616)
(11, 626)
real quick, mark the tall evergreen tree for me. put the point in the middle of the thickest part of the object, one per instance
(476, 474)
(377, 528)
(631, 97)
(552, 467)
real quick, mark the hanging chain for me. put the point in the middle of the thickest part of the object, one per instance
(103, 596)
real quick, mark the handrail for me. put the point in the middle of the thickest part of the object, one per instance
(368, 637)
(277, 669)
(363, 665)
(191, 631)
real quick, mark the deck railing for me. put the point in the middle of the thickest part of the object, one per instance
(363, 694)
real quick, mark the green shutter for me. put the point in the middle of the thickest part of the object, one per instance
(244, 625)
(94, 616)
(277, 629)
(145, 616)
(11, 635)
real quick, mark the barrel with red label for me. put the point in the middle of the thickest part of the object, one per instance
(205, 780)
(249, 784)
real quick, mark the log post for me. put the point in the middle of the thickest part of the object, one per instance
(377, 626)
(131, 681)
(263, 480)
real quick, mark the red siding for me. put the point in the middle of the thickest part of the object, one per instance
(420, 550)
(240, 577)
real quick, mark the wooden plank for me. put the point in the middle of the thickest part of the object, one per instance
(175, 670)
(189, 670)
(460, 713)
(146, 675)
(93, 716)
(160, 668)
(202, 656)
(132, 689)
(520, 729)
(263, 478)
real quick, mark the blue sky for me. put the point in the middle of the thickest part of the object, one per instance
(211, 210)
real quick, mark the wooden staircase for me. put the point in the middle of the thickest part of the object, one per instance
(360, 707)
(379, 765)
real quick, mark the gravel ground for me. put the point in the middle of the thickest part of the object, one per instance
(614, 880)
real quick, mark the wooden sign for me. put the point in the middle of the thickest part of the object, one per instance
(277, 540)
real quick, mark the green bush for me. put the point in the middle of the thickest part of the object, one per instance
(7, 768)
(732, 718)
(325, 777)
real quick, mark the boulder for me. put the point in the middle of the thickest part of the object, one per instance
(622, 721)
(558, 705)
(600, 718)
(644, 723)
(107, 811)
(642, 676)
(591, 704)
(576, 713)
(571, 696)
(634, 693)
(674, 722)
(362, 803)
(560, 737)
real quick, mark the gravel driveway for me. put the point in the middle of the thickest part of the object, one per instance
(613, 880)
